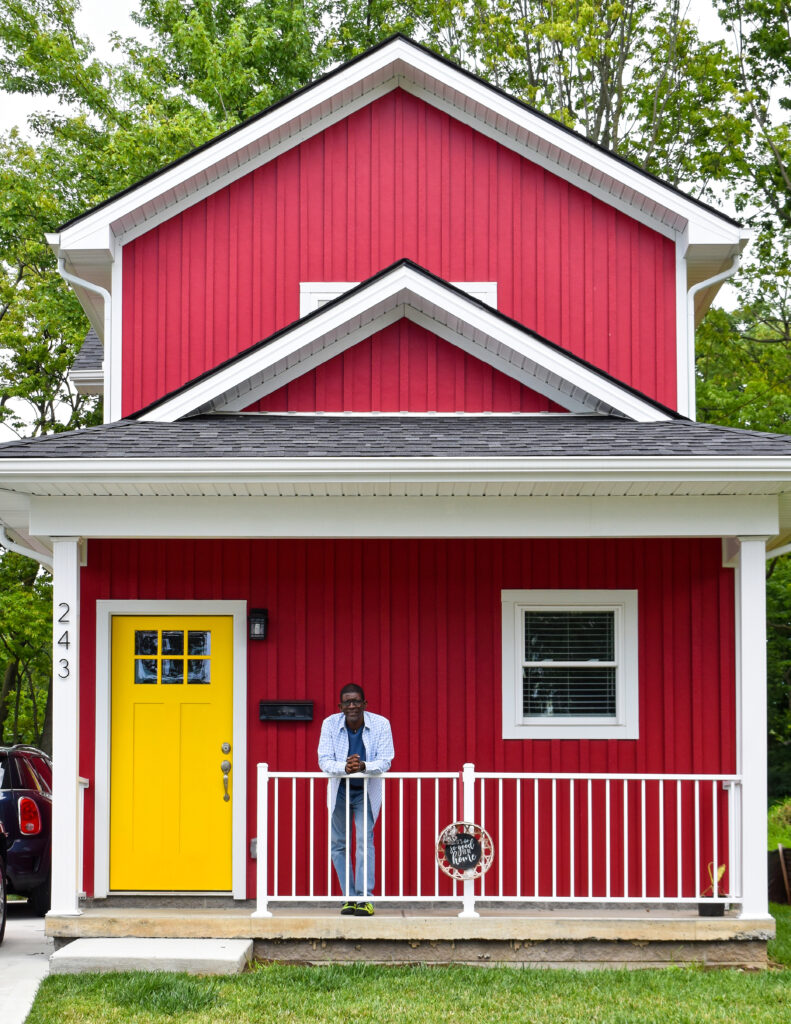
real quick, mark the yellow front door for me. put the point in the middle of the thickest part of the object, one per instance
(172, 714)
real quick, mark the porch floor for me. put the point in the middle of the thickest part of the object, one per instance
(519, 936)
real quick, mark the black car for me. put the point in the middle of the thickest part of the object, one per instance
(3, 902)
(26, 817)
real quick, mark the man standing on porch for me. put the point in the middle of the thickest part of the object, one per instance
(352, 742)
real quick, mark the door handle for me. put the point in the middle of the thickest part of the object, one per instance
(225, 768)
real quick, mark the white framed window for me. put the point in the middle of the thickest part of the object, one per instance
(313, 294)
(570, 664)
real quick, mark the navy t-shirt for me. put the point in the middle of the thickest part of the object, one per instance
(356, 746)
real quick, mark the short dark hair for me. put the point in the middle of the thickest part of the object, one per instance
(352, 688)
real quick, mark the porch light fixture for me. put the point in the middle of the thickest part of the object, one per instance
(257, 622)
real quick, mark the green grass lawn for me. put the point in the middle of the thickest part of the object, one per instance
(428, 995)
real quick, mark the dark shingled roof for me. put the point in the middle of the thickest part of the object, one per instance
(91, 353)
(216, 436)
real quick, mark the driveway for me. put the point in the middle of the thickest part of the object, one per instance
(24, 961)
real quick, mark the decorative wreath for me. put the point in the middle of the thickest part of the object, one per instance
(464, 850)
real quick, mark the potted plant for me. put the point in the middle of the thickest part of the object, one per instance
(708, 908)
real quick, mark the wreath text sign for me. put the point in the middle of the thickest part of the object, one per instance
(464, 850)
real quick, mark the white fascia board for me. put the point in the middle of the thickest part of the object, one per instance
(227, 389)
(21, 474)
(400, 64)
(659, 516)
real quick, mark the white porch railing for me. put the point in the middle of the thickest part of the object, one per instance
(558, 838)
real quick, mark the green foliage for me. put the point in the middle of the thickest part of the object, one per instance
(25, 649)
(779, 820)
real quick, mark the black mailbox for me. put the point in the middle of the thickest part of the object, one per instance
(285, 710)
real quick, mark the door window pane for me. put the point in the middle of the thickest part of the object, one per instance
(172, 670)
(145, 670)
(172, 641)
(198, 671)
(199, 641)
(146, 641)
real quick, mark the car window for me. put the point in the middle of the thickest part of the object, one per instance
(5, 774)
(43, 770)
(25, 776)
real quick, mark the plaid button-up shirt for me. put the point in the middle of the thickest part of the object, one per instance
(379, 753)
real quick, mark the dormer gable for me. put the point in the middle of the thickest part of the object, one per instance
(405, 291)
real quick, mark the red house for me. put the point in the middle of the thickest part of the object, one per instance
(411, 367)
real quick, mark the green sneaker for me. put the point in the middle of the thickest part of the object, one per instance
(364, 910)
(349, 908)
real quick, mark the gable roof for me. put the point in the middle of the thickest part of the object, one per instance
(406, 290)
(90, 239)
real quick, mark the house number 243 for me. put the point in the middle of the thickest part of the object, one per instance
(64, 641)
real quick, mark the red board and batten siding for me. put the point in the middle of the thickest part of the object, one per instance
(397, 179)
(418, 623)
(404, 367)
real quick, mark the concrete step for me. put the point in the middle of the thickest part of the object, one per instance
(194, 956)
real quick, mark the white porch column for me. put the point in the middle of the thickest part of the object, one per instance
(65, 725)
(751, 746)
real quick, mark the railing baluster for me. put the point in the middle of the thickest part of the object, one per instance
(400, 835)
(607, 837)
(535, 838)
(661, 838)
(366, 886)
(626, 838)
(385, 844)
(590, 840)
(642, 835)
(715, 882)
(679, 859)
(697, 838)
(293, 838)
(348, 842)
(554, 840)
(571, 837)
(436, 833)
(483, 825)
(518, 817)
(418, 844)
(277, 836)
(312, 837)
(502, 832)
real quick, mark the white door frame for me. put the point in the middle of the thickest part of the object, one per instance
(105, 610)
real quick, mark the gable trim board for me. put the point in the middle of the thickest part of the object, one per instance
(105, 610)
(405, 290)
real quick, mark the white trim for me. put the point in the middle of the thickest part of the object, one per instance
(438, 516)
(625, 724)
(105, 610)
(87, 382)
(751, 749)
(66, 725)
(685, 354)
(17, 473)
(113, 354)
(313, 294)
(401, 291)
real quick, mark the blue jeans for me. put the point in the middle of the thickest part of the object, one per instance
(360, 882)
